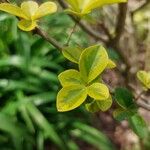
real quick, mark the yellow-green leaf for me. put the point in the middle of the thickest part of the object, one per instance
(75, 4)
(12, 9)
(93, 4)
(27, 25)
(98, 91)
(104, 105)
(92, 107)
(70, 77)
(72, 53)
(75, 13)
(70, 98)
(92, 63)
(45, 9)
(144, 78)
(111, 64)
(29, 8)
(96, 105)
(83, 7)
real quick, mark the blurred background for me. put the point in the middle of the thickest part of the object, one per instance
(28, 82)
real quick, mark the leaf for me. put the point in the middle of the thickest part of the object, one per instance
(13, 9)
(98, 91)
(122, 114)
(13, 60)
(43, 124)
(138, 125)
(92, 107)
(72, 53)
(93, 4)
(29, 12)
(27, 25)
(111, 64)
(96, 106)
(40, 141)
(26, 117)
(92, 62)
(92, 136)
(29, 8)
(104, 105)
(80, 8)
(74, 4)
(70, 77)
(16, 130)
(70, 97)
(45, 9)
(72, 145)
(124, 97)
(144, 78)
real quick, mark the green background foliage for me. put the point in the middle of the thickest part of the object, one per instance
(29, 69)
(28, 86)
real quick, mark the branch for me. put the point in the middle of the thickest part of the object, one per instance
(114, 43)
(120, 23)
(142, 104)
(84, 26)
(140, 7)
(106, 31)
(48, 38)
(4, 1)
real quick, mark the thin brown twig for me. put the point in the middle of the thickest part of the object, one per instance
(48, 38)
(114, 43)
(121, 21)
(143, 105)
(4, 1)
(139, 95)
(140, 102)
(141, 7)
(84, 26)
(70, 35)
(106, 31)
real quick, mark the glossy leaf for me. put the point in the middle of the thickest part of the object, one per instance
(13, 9)
(45, 9)
(92, 4)
(72, 53)
(144, 78)
(98, 91)
(27, 25)
(96, 105)
(29, 12)
(83, 7)
(29, 8)
(124, 97)
(105, 104)
(70, 77)
(70, 98)
(121, 114)
(138, 125)
(92, 107)
(111, 64)
(92, 62)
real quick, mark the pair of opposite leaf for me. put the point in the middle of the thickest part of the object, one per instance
(29, 12)
(144, 78)
(83, 7)
(77, 85)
